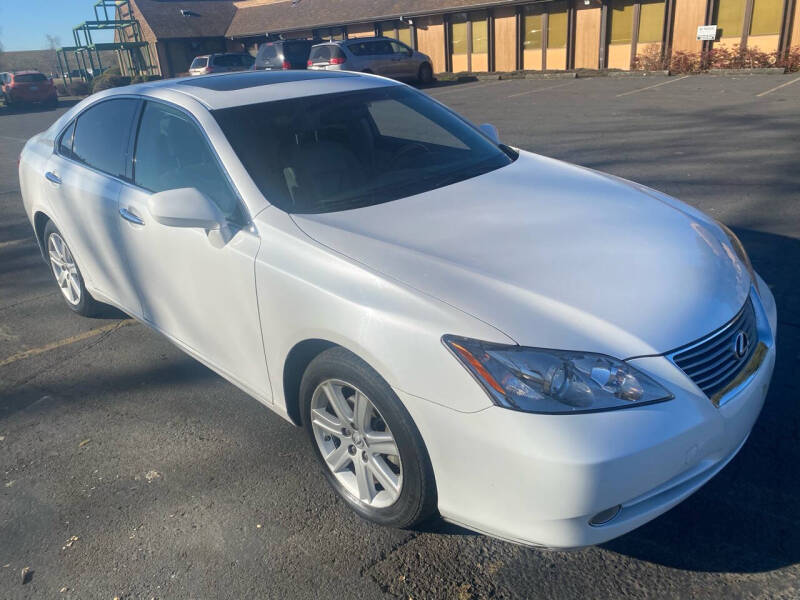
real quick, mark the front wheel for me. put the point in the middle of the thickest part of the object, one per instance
(66, 272)
(425, 73)
(371, 452)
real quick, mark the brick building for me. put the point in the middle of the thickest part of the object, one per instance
(473, 35)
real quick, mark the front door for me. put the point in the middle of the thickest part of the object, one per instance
(84, 177)
(201, 295)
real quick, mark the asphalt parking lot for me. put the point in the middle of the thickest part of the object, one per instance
(128, 469)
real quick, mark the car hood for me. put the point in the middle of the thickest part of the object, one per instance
(553, 255)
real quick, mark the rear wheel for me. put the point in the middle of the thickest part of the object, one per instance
(371, 452)
(425, 73)
(67, 274)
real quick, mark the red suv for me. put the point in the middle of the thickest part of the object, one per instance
(28, 87)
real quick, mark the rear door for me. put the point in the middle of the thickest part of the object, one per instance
(201, 295)
(267, 57)
(402, 65)
(379, 58)
(85, 176)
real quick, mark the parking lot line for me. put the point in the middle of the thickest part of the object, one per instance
(15, 242)
(650, 87)
(777, 87)
(463, 87)
(65, 342)
(550, 87)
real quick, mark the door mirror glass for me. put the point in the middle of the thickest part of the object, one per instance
(491, 131)
(185, 207)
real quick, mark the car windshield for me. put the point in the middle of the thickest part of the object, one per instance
(347, 150)
(29, 78)
(199, 62)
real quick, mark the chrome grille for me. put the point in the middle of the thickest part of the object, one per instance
(712, 363)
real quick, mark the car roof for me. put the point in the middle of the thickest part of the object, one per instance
(379, 38)
(27, 72)
(226, 90)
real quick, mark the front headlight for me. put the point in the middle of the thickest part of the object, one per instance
(554, 381)
(738, 248)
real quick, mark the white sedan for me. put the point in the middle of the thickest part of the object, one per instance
(535, 350)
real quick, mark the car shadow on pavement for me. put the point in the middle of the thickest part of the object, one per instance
(746, 519)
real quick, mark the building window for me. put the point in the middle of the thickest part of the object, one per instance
(766, 17)
(729, 17)
(532, 22)
(480, 32)
(621, 30)
(651, 22)
(557, 25)
(399, 30)
(458, 33)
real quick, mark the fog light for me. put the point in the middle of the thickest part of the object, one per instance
(605, 516)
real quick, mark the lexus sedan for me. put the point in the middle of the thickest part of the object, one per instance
(535, 350)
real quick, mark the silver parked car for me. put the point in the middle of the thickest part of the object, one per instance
(220, 63)
(378, 55)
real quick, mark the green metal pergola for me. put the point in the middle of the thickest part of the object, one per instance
(133, 53)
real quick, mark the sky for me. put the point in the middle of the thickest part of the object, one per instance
(24, 24)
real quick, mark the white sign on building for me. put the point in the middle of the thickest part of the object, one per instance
(707, 33)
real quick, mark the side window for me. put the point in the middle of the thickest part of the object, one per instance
(101, 135)
(65, 141)
(398, 48)
(172, 153)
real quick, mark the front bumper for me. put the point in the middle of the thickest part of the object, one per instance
(539, 479)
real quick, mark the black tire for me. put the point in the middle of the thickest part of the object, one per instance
(86, 305)
(417, 500)
(425, 73)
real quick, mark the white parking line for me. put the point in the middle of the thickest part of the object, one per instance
(15, 242)
(550, 87)
(777, 87)
(65, 342)
(650, 87)
(462, 87)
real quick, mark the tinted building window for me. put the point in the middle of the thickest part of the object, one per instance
(651, 22)
(172, 153)
(101, 135)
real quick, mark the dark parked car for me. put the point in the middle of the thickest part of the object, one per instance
(29, 87)
(220, 63)
(284, 54)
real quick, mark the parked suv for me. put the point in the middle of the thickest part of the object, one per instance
(379, 55)
(220, 63)
(28, 87)
(284, 54)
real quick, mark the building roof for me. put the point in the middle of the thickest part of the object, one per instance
(307, 14)
(187, 18)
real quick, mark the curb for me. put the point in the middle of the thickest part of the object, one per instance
(757, 71)
(638, 73)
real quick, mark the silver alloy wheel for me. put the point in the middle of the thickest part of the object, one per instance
(356, 443)
(64, 268)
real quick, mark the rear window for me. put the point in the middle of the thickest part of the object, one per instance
(199, 63)
(267, 53)
(29, 78)
(320, 54)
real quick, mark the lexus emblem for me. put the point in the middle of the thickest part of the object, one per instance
(740, 344)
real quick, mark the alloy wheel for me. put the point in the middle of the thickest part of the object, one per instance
(356, 444)
(64, 268)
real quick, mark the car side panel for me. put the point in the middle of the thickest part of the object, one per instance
(306, 291)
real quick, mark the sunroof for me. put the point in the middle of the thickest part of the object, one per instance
(249, 79)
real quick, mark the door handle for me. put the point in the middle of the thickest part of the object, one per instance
(129, 216)
(52, 177)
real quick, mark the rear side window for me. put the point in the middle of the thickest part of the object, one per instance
(320, 54)
(65, 141)
(29, 78)
(247, 60)
(199, 63)
(226, 60)
(101, 135)
(359, 48)
(381, 47)
(171, 153)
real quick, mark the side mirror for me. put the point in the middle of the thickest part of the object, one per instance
(491, 131)
(189, 207)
